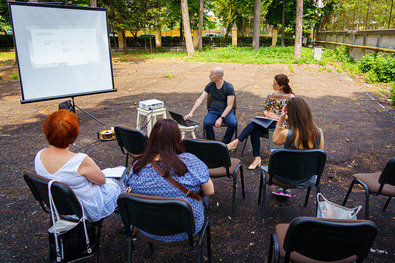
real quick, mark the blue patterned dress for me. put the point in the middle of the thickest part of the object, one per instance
(150, 182)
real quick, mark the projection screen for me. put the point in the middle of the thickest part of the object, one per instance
(62, 51)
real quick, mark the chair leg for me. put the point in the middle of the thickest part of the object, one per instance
(367, 204)
(387, 203)
(242, 182)
(244, 147)
(151, 248)
(270, 251)
(260, 189)
(130, 245)
(263, 204)
(348, 192)
(234, 197)
(208, 233)
(199, 256)
(307, 196)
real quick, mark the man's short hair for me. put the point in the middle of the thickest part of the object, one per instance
(218, 71)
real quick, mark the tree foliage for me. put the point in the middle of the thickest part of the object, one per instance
(311, 14)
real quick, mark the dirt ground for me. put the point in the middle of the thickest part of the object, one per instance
(359, 133)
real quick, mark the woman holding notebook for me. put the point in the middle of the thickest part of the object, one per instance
(272, 108)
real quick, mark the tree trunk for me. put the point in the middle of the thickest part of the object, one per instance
(283, 25)
(115, 42)
(125, 44)
(298, 29)
(200, 33)
(187, 27)
(257, 24)
(93, 3)
(181, 33)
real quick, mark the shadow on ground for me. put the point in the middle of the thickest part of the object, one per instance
(359, 137)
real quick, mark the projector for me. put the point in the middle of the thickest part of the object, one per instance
(151, 104)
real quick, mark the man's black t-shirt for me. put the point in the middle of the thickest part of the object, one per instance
(220, 96)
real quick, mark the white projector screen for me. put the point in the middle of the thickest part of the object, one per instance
(62, 51)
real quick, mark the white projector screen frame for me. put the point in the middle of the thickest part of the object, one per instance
(62, 51)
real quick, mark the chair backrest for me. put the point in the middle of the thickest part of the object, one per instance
(132, 140)
(156, 215)
(296, 165)
(330, 240)
(388, 174)
(213, 153)
(210, 98)
(65, 200)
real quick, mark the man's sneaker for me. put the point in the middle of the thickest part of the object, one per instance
(278, 191)
(287, 193)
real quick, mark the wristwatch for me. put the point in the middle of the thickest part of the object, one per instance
(222, 117)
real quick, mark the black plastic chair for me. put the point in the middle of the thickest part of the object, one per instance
(308, 239)
(209, 99)
(73, 242)
(161, 216)
(380, 183)
(294, 166)
(216, 156)
(131, 141)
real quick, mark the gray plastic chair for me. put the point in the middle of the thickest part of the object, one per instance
(308, 239)
(161, 216)
(380, 183)
(296, 167)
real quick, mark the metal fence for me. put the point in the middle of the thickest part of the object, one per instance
(361, 15)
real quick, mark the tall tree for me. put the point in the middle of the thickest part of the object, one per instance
(283, 25)
(187, 27)
(257, 24)
(200, 32)
(298, 29)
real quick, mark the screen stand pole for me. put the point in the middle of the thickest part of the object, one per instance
(84, 111)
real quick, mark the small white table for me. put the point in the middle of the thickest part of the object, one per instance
(150, 116)
(190, 129)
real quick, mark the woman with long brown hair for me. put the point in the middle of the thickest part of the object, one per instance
(166, 150)
(301, 134)
(274, 103)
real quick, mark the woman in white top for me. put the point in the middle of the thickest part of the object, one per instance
(97, 195)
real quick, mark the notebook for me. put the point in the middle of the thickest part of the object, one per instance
(263, 121)
(180, 119)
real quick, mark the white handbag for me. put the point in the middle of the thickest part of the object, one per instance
(61, 226)
(327, 209)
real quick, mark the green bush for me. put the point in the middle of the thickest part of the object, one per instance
(366, 62)
(392, 93)
(379, 69)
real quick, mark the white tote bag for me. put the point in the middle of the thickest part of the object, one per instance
(327, 209)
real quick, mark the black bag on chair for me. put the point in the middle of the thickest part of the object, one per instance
(66, 105)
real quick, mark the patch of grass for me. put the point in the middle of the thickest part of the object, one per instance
(168, 75)
(7, 57)
(15, 75)
(291, 69)
(392, 93)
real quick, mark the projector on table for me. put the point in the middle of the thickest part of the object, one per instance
(151, 104)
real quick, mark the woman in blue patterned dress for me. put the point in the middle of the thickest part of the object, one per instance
(164, 146)
(274, 104)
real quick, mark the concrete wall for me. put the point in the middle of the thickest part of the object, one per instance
(372, 38)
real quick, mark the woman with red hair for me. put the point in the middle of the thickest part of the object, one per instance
(165, 149)
(97, 195)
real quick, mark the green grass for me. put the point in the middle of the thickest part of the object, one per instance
(7, 57)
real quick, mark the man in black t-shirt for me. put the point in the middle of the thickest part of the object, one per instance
(223, 95)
